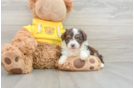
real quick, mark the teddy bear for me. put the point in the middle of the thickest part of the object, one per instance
(37, 45)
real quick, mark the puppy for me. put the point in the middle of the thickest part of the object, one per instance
(74, 43)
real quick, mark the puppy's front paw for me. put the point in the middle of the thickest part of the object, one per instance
(83, 56)
(62, 61)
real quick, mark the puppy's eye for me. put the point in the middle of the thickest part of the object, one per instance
(68, 39)
(77, 39)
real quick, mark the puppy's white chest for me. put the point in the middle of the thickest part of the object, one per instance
(74, 53)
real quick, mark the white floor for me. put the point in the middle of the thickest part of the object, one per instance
(114, 75)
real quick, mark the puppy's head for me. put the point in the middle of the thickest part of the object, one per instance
(74, 38)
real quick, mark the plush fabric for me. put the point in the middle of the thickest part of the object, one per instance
(46, 55)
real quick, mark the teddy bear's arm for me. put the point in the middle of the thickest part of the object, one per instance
(24, 41)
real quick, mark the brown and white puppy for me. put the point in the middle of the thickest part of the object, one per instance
(74, 42)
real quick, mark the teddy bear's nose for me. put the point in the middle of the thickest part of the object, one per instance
(51, 10)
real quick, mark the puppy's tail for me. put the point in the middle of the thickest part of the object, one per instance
(95, 53)
(101, 58)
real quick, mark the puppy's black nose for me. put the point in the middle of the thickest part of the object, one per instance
(72, 45)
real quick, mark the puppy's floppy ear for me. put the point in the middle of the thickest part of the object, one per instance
(63, 35)
(31, 3)
(69, 5)
(84, 35)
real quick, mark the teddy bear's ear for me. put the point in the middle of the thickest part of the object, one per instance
(46, 27)
(69, 5)
(52, 28)
(31, 3)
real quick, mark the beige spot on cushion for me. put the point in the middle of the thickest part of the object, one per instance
(92, 61)
(17, 59)
(78, 63)
(7, 60)
(16, 71)
(91, 68)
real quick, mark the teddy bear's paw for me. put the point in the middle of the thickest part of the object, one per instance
(11, 60)
(91, 63)
(62, 60)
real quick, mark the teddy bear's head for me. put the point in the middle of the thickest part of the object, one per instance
(50, 10)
